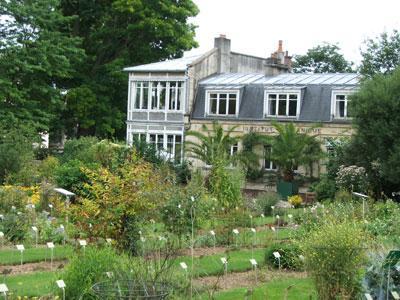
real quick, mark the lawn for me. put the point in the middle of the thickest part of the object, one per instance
(13, 256)
(301, 288)
(34, 284)
(238, 261)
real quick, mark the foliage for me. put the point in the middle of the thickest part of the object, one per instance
(376, 115)
(290, 149)
(15, 227)
(16, 149)
(70, 176)
(295, 200)
(325, 188)
(249, 158)
(225, 185)
(334, 255)
(384, 219)
(212, 147)
(48, 167)
(351, 178)
(79, 149)
(36, 58)
(116, 34)
(265, 201)
(324, 58)
(380, 55)
(84, 270)
(114, 199)
(289, 259)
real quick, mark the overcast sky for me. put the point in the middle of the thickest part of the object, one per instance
(255, 26)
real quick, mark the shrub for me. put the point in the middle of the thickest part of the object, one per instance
(84, 270)
(70, 175)
(325, 188)
(290, 256)
(295, 200)
(265, 201)
(351, 178)
(48, 167)
(15, 227)
(334, 255)
(79, 149)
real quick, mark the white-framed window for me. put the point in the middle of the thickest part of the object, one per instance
(282, 104)
(158, 95)
(268, 163)
(234, 149)
(167, 144)
(222, 103)
(339, 104)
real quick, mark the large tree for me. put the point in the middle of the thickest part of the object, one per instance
(381, 55)
(116, 34)
(325, 58)
(36, 56)
(375, 110)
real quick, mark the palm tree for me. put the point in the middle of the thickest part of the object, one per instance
(213, 146)
(291, 149)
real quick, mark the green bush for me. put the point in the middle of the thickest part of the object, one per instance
(70, 175)
(290, 256)
(325, 188)
(335, 255)
(85, 269)
(15, 227)
(79, 149)
(265, 201)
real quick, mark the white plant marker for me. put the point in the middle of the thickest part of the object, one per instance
(50, 245)
(277, 256)
(110, 274)
(109, 241)
(4, 290)
(1, 238)
(36, 231)
(301, 257)
(61, 285)
(236, 232)
(262, 216)
(185, 268)
(253, 263)
(225, 264)
(368, 296)
(83, 244)
(212, 232)
(395, 295)
(1, 217)
(64, 233)
(21, 249)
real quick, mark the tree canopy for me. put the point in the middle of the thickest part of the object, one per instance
(61, 61)
(325, 58)
(375, 110)
(36, 57)
(381, 55)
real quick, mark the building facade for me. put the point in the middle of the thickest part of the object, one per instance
(168, 98)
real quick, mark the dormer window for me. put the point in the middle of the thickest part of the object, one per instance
(339, 103)
(282, 104)
(222, 103)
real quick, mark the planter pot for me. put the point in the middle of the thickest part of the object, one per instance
(287, 188)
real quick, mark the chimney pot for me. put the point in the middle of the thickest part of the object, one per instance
(222, 36)
(280, 46)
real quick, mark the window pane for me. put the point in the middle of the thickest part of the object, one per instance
(293, 97)
(340, 109)
(152, 139)
(162, 95)
(232, 107)
(170, 144)
(137, 95)
(180, 96)
(292, 108)
(267, 157)
(282, 106)
(222, 104)
(178, 148)
(160, 141)
(172, 95)
(154, 95)
(213, 106)
(272, 107)
(145, 95)
(340, 97)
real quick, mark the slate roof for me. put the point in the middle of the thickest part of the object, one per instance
(315, 100)
(173, 65)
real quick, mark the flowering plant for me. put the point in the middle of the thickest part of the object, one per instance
(351, 178)
(295, 200)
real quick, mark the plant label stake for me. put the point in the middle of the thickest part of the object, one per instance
(21, 249)
(395, 295)
(61, 285)
(212, 232)
(254, 266)
(275, 232)
(1, 238)
(110, 274)
(225, 264)
(278, 257)
(4, 290)
(236, 232)
(185, 268)
(83, 245)
(368, 296)
(50, 245)
(35, 230)
(63, 231)
(109, 241)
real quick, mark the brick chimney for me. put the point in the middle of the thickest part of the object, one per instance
(281, 57)
(224, 49)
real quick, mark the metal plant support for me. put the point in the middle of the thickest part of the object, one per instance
(130, 289)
